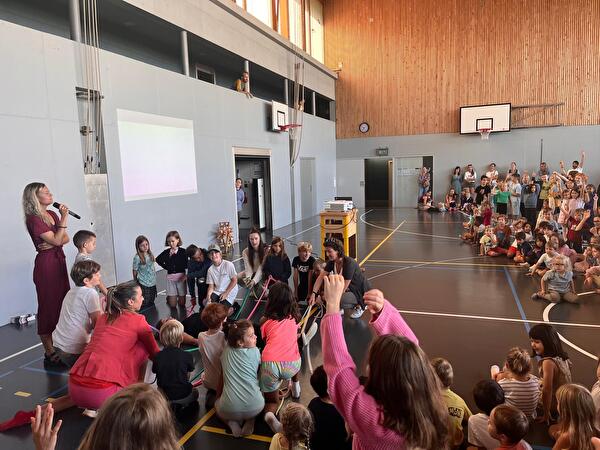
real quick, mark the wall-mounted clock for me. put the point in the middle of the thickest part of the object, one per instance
(363, 127)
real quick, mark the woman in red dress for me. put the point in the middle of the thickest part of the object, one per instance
(48, 233)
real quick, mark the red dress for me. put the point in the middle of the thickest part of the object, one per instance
(49, 274)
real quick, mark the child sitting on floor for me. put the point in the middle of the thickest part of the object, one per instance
(329, 427)
(536, 252)
(503, 236)
(487, 395)
(557, 283)
(487, 241)
(78, 314)
(543, 264)
(509, 425)
(211, 344)
(521, 388)
(458, 410)
(296, 429)
(524, 247)
(172, 367)
(592, 275)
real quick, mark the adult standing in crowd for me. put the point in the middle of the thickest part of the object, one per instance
(470, 178)
(240, 197)
(455, 181)
(48, 233)
(355, 282)
(424, 181)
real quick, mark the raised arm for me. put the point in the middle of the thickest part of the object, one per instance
(386, 319)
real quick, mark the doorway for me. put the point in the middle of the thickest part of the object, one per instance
(308, 188)
(406, 179)
(255, 173)
(378, 183)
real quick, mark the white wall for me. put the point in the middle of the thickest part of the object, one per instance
(450, 150)
(351, 180)
(39, 127)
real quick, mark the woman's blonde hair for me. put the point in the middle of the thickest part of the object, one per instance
(577, 415)
(136, 418)
(31, 203)
(296, 424)
(171, 333)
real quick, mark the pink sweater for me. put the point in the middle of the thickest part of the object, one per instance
(358, 408)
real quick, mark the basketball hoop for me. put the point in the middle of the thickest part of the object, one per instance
(485, 133)
(289, 126)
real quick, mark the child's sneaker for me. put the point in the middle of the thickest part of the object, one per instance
(357, 312)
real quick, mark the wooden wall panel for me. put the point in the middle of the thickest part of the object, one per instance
(408, 65)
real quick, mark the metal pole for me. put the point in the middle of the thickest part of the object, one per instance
(75, 20)
(286, 91)
(314, 102)
(541, 151)
(247, 69)
(185, 57)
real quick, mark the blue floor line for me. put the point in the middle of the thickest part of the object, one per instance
(6, 373)
(49, 372)
(31, 362)
(517, 300)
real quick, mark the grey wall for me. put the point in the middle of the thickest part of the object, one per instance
(39, 126)
(450, 150)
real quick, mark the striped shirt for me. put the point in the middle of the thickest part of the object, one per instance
(523, 395)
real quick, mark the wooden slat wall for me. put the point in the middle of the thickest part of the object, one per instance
(408, 65)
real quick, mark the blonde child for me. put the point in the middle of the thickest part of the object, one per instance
(451, 200)
(543, 263)
(211, 344)
(173, 366)
(303, 268)
(577, 428)
(143, 269)
(557, 283)
(296, 429)
(174, 260)
(521, 388)
(509, 426)
(487, 241)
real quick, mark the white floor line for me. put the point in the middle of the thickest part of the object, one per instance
(546, 317)
(497, 319)
(303, 231)
(6, 358)
(362, 219)
(418, 265)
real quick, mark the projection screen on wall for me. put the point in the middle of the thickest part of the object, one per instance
(157, 155)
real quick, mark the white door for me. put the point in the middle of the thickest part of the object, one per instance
(406, 174)
(260, 193)
(350, 176)
(308, 188)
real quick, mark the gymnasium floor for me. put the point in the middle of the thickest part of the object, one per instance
(466, 308)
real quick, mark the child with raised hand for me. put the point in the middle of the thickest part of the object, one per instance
(509, 425)
(78, 314)
(458, 410)
(211, 344)
(197, 270)
(174, 260)
(487, 395)
(521, 388)
(280, 358)
(143, 270)
(173, 366)
(277, 264)
(138, 413)
(303, 268)
(557, 283)
(241, 400)
(85, 241)
(296, 429)
(329, 427)
(554, 367)
(401, 404)
(577, 428)
(576, 225)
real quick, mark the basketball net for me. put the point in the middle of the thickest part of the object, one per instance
(485, 133)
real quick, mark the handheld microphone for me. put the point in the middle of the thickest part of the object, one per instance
(71, 213)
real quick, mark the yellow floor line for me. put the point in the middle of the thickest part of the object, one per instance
(253, 437)
(444, 263)
(196, 427)
(366, 258)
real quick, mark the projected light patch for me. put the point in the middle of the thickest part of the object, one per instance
(157, 155)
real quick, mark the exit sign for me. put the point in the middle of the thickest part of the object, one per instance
(382, 151)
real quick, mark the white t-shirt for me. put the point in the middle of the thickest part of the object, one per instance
(72, 333)
(220, 276)
(211, 347)
(478, 432)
